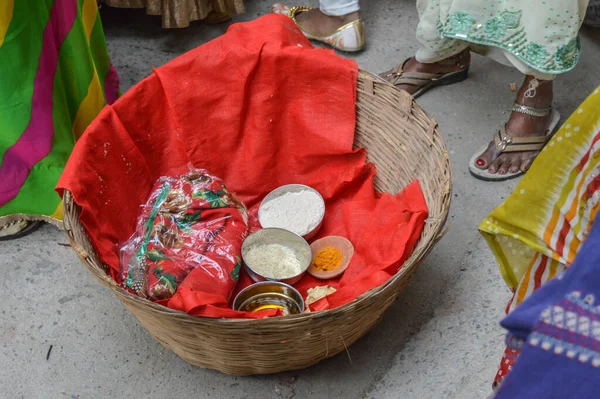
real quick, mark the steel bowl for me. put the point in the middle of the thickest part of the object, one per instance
(293, 188)
(268, 294)
(282, 237)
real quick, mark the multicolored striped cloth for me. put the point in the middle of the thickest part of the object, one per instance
(55, 77)
(537, 232)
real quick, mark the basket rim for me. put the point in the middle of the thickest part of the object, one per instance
(408, 267)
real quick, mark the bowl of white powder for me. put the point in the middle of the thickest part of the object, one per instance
(294, 207)
(276, 255)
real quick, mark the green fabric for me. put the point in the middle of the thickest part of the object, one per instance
(77, 62)
(542, 34)
(18, 65)
(99, 51)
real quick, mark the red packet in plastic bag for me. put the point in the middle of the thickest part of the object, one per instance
(189, 234)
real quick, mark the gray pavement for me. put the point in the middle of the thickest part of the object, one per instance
(441, 339)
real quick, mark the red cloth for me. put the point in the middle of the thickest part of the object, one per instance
(188, 239)
(509, 358)
(258, 107)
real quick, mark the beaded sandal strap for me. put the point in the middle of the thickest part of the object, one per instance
(297, 10)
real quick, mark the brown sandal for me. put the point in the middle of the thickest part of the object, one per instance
(506, 143)
(426, 81)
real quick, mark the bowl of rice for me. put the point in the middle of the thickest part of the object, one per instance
(276, 254)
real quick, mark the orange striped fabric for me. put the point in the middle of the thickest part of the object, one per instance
(537, 231)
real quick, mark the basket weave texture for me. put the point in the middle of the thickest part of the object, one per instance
(404, 143)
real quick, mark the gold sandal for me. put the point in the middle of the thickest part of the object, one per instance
(349, 38)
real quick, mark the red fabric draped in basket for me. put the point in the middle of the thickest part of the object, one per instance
(258, 107)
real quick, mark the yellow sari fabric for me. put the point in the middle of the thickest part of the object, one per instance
(537, 231)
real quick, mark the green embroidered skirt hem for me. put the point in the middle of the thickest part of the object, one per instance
(538, 37)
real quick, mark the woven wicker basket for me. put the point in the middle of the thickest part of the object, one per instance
(405, 145)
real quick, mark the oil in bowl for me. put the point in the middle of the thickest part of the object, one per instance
(269, 295)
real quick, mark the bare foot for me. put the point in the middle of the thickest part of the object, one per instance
(520, 125)
(452, 64)
(314, 21)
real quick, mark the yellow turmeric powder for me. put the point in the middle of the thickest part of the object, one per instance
(327, 259)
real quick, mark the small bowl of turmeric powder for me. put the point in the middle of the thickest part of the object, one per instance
(330, 257)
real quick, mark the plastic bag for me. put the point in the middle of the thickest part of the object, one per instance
(189, 235)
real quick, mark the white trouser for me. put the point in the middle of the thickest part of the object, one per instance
(338, 7)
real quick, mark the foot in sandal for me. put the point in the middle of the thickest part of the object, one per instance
(346, 32)
(18, 229)
(515, 146)
(417, 78)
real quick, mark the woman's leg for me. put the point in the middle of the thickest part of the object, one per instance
(330, 16)
(533, 93)
(435, 55)
(444, 56)
(454, 63)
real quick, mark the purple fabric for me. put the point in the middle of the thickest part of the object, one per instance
(559, 329)
(111, 85)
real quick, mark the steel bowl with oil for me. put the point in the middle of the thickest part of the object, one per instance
(282, 237)
(294, 188)
(269, 295)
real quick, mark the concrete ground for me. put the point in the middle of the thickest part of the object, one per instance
(441, 339)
